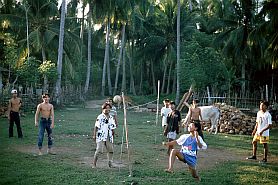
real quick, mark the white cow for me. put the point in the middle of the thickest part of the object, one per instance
(209, 114)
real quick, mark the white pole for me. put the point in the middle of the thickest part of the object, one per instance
(126, 136)
(122, 143)
(27, 31)
(157, 109)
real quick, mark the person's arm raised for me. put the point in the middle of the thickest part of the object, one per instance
(37, 115)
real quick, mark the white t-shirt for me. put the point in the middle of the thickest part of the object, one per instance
(183, 141)
(164, 112)
(113, 111)
(263, 120)
(189, 148)
(105, 127)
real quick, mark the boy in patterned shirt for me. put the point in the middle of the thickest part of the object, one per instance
(103, 134)
(261, 131)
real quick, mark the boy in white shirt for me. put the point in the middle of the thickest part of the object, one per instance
(261, 131)
(164, 112)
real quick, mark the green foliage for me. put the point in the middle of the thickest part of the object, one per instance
(202, 65)
(28, 71)
(10, 50)
(48, 69)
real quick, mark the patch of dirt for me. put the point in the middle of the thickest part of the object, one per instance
(33, 150)
(207, 159)
(102, 163)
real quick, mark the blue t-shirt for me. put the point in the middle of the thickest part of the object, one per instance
(189, 148)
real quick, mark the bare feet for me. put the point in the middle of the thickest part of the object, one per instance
(198, 179)
(110, 164)
(169, 171)
(50, 151)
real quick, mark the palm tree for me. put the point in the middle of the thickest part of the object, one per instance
(234, 27)
(60, 52)
(104, 10)
(89, 50)
(178, 52)
(122, 44)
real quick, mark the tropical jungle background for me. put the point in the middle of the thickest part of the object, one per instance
(80, 49)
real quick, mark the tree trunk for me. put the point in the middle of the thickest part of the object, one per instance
(1, 83)
(141, 78)
(169, 78)
(60, 53)
(153, 79)
(105, 58)
(174, 84)
(243, 76)
(124, 72)
(82, 22)
(27, 32)
(132, 88)
(89, 51)
(119, 60)
(81, 35)
(45, 80)
(109, 75)
(164, 74)
(178, 52)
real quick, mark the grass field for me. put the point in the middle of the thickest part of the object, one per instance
(19, 163)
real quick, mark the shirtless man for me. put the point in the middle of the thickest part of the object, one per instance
(13, 114)
(195, 115)
(46, 122)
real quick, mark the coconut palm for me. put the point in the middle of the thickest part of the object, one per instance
(104, 12)
(60, 52)
(89, 49)
(233, 28)
(178, 51)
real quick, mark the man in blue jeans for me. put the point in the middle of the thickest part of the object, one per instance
(46, 122)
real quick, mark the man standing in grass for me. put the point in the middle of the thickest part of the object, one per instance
(173, 123)
(195, 116)
(46, 122)
(103, 134)
(261, 131)
(13, 114)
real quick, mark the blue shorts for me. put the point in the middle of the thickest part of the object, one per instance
(190, 160)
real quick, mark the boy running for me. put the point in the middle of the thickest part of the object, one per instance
(261, 131)
(46, 110)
